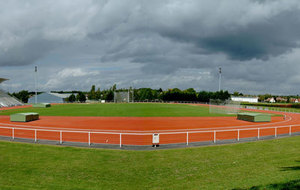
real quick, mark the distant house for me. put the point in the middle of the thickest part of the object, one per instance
(49, 97)
(294, 100)
(271, 100)
(280, 99)
(244, 99)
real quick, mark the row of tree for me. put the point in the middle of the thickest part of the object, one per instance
(80, 97)
(148, 94)
(23, 95)
(141, 94)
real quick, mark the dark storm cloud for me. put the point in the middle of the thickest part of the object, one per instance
(152, 43)
(268, 37)
(271, 37)
(138, 25)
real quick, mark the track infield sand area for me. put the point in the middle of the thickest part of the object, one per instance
(139, 129)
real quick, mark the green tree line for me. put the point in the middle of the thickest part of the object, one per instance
(149, 94)
(140, 94)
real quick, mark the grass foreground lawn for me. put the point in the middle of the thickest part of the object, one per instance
(121, 110)
(272, 164)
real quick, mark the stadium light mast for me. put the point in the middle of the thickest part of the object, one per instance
(132, 95)
(128, 95)
(35, 81)
(220, 77)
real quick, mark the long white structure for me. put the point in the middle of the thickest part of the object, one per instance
(244, 99)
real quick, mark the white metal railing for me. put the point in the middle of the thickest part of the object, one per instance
(64, 133)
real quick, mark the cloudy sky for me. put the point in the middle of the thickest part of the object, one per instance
(158, 43)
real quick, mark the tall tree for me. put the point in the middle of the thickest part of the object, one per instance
(114, 87)
(22, 95)
(81, 97)
(145, 94)
(98, 94)
(92, 93)
(72, 98)
(109, 95)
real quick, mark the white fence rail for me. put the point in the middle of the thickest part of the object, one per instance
(145, 138)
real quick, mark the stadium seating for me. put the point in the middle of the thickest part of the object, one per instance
(8, 101)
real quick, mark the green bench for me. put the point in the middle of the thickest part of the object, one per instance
(254, 117)
(41, 105)
(24, 117)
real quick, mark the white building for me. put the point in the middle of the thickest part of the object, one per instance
(244, 99)
(272, 100)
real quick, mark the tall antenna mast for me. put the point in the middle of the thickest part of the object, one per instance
(220, 77)
(35, 81)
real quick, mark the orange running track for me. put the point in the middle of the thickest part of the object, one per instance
(139, 130)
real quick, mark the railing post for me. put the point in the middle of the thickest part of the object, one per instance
(60, 137)
(238, 135)
(258, 133)
(13, 133)
(120, 140)
(89, 138)
(187, 138)
(290, 131)
(35, 137)
(275, 132)
(215, 138)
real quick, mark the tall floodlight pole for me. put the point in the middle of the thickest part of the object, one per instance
(132, 95)
(220, 77)
(35, 81)
(128, 94)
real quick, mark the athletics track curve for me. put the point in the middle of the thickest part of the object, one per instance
(139, 130)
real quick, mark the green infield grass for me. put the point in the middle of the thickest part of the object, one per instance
(121, 110)
(270, 164)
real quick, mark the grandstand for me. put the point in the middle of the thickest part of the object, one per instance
(6, 100)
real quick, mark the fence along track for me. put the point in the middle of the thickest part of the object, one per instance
(65, 134)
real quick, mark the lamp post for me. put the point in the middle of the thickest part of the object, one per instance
(220, 77)
(35, 79)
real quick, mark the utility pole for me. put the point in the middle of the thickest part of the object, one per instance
(35, 81)
(220, 77)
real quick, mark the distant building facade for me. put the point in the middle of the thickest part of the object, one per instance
(244, 99)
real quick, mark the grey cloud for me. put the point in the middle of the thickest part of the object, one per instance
(27, 53)
(272, 37)
(153, 43)
(260, 40)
